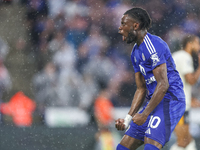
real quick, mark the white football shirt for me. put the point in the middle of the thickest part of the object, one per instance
(184, 65)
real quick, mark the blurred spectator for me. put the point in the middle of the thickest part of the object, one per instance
(103, 109)
(20, 108)
(5, 80)
(45, 86)
(82, 59)
(88, 91)
(56, 43)
(77, 8)
(96, 42)
(36, 12)
(77, 30)
(101, 68)
(55, 7)
(106, 138)
(69, 83)
(65, 57)
(127, 90)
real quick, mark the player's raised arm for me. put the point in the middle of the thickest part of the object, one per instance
(122, 124)
(192, 78)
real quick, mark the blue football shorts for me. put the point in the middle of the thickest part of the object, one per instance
(160, 123)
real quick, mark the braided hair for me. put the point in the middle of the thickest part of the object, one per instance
(141, 16)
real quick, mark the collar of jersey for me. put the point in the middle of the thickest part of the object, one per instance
(138, 47)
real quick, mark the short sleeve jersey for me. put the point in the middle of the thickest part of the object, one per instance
(184, 65)
(152, 52)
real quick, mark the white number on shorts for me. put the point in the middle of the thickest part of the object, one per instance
(152, 120)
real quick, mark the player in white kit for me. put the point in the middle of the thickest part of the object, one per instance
(184, 65)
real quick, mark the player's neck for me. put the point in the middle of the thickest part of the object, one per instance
(188, 50)
(141, 35)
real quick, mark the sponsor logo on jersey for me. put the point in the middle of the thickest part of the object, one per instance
(150, 80)
(142, 70)
(155, 59)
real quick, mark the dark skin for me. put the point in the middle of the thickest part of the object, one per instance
(131, 27)
(193, 46)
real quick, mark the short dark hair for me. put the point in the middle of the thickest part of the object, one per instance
(188, 38)
(140, 15)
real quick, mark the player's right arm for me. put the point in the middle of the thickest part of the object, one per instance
(139, 94)
(139, 97)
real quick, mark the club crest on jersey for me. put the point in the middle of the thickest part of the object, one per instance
(143, 57)
(155, 59)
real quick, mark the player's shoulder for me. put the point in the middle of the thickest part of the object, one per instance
(156, 40)
(153, 44)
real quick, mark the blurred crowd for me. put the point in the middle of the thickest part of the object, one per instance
(78, 50)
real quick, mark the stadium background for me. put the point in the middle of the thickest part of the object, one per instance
(76, 42)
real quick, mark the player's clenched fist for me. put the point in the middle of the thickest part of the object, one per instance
(122, 124)
(119, 124)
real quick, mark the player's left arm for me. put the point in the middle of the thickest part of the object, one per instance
(160, 73)
(192, 78)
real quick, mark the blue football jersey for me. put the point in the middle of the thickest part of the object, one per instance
(152, 52)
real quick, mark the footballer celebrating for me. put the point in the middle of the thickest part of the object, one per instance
(157, 80)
